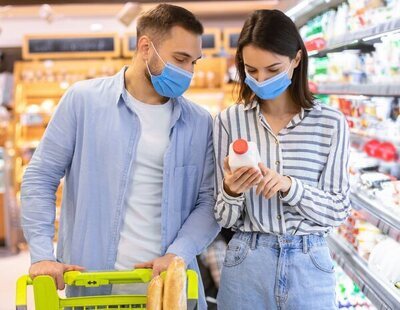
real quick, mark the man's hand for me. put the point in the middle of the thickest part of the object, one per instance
(54, 269)
(159, 264)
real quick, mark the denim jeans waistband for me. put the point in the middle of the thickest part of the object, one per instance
(280, 241)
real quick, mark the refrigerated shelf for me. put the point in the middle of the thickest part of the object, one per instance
(380, 90)
(379, 291)
(382, 136)
(383, 218)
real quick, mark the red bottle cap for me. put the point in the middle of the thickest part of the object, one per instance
(240, 146)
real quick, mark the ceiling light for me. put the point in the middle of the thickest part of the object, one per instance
(128, 13)
(46, 13)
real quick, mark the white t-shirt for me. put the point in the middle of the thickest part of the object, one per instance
(140, 238)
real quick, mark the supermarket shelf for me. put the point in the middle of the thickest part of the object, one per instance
(378, 290)
(305, 10)
(360, 38)
(381, 90)
(388, 222)
(357, 134)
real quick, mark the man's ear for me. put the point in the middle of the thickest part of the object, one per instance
(143, 47)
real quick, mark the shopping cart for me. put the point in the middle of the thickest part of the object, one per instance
(47, 298)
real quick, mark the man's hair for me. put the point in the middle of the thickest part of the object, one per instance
(158, 22)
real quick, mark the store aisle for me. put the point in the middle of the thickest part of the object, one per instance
(11, 267)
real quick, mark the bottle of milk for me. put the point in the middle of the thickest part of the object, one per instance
(243, 153)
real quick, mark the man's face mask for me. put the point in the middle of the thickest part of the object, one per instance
(172, 82)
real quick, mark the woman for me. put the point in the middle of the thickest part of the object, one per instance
(278, 258)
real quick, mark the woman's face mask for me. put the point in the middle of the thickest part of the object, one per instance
(272, 87)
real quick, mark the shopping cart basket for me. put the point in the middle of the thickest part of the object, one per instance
(47, 298)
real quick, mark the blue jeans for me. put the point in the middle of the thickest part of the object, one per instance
(268, 272)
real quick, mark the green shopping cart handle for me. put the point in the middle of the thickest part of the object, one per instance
(99, 278)
(22, 283)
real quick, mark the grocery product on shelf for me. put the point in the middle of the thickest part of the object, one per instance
(386, 196)
(381, 66)
(350, 17)
(390, 195)
(348, 293)
(384, 260)
(364, 64)
(380, 251)
(376, 180)
(362, 235)
(370, 120)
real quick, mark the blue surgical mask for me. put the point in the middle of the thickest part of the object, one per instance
(172, 82)
(271, 88)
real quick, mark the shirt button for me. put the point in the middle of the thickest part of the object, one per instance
(279, 217)
(277, 163)
(276, 141)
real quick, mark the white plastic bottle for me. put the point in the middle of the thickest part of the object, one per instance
(243, 153)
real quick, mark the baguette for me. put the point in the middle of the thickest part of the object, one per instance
(175, 286)
(155, 294)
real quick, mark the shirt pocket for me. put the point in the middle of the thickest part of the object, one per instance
(185, 189)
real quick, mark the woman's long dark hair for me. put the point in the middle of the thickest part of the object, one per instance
(273, 31)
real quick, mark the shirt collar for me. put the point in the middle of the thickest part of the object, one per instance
(254, 104)
(251, 105)
(295, 121)
(120, 79)
(303, 113)
(122, 95)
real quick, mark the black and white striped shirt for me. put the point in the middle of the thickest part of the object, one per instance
(313, 150)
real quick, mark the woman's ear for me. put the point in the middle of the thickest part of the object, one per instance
(297, 59)
(143, 48)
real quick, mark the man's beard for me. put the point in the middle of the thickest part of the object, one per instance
(151, 64)
(147, 75)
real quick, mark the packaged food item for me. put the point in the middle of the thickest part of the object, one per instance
(175, 286)
(243, 153)
(348, 294)
(384, 260)
(389, 196)
(374, 179)
(155, 294)
(349, 17)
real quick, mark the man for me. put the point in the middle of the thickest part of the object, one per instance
(138, 164)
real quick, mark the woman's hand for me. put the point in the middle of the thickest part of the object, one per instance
(272, 182)
(241, 180)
